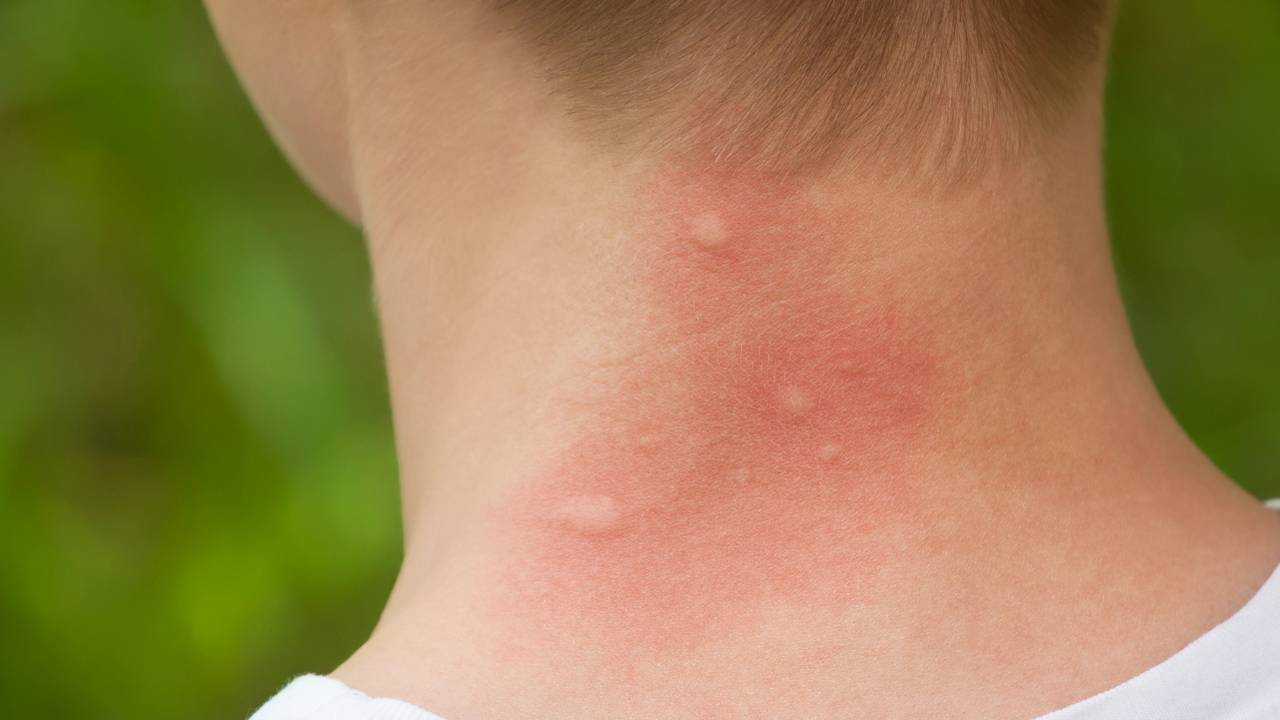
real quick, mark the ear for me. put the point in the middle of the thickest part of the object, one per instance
(288, 57)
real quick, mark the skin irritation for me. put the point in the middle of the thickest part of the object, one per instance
(754, 457)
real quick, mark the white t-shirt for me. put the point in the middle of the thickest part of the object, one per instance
(1230, 673)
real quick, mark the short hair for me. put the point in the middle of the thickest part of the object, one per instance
(797, 82)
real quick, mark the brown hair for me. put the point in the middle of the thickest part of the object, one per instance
(800, 81)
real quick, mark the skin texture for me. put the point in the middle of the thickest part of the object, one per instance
(684, 440)
(744, 460)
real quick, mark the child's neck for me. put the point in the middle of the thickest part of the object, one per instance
(696, 442)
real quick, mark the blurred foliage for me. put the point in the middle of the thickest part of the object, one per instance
(197, 481)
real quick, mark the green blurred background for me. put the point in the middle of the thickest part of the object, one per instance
(197, 481)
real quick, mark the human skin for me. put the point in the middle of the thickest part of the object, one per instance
(680, 438)
(805, 412)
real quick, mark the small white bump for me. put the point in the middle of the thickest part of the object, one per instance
(708, 230)
(647, 443)
(828, 452)
(796, 401)
(588, 514)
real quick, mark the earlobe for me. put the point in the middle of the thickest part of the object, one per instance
(289, 58)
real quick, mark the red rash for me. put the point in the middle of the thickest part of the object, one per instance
(747, 459)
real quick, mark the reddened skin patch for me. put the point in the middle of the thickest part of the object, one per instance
(755, 456)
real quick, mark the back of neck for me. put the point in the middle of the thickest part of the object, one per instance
(660, 416)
